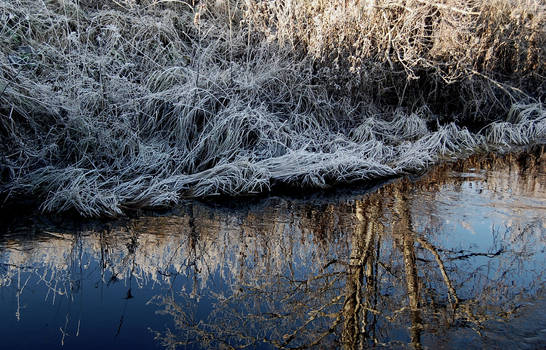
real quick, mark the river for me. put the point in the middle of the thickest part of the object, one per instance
(452, 259)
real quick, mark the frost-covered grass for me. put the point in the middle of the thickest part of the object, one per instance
(109, 105)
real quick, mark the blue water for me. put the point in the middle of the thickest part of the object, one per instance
(291, 273)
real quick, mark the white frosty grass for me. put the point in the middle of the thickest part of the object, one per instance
(527, 125)
(104, 108)
(154, 174)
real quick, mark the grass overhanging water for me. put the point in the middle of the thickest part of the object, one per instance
(111, 105)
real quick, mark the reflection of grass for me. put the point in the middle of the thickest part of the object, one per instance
(107, 105)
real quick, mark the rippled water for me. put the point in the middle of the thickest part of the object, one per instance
(455, 259)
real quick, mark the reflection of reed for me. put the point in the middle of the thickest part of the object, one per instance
(343, 274)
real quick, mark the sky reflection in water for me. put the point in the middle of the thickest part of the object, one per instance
(455, 259)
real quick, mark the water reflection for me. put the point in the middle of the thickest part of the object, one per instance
(455, 259)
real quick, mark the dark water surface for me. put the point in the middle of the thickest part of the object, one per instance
(453, 260)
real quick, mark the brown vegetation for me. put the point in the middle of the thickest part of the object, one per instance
(471, 57)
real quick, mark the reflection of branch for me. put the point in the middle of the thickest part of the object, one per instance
(324, 334)
(388, 269)
(412, 285)
(185, 322)
(22, 267)
(289, 337)
(488, 255)
(313, 278)
(441, 265)
(132, 247)
(63, 330)
(18, 294)
(464, 256)
(335, 261)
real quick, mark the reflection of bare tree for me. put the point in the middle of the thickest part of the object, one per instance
(394, 278)
(368, 272)
(402, 228)
(361, 284)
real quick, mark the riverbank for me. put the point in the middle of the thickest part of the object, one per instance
(108, 106)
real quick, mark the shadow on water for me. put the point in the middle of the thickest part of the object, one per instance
(455, 259)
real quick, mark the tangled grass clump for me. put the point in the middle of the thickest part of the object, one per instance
(110, 105)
